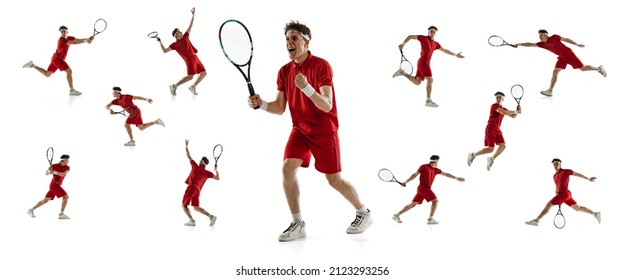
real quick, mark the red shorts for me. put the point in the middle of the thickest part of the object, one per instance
(136, 120)
(493, 136)
(423, 69)
(423, 193)
(55, 191)
(324, 147)
(57, 64)
(194, 66)
(191, 196)
(570, 59)
(564, 197)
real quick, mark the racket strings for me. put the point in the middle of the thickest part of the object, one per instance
(153, 34)
(496, 41)
(517, 91)
(217, 151)
(100, 25)
(406, 67)
(386, 175)
(236, 43)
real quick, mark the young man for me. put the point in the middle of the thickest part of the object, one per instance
(58, 171)
(125, 101)
(424, 190)
(195, 182)
(188, 53)
(493, 133)
(58, 59)
(563, 195)
(305, 83)
(565, 56)
(428, 46)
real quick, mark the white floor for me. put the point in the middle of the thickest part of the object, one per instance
(126, 220)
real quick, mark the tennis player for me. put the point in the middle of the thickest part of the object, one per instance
(187, 51)
(305, 84)
(424, 191)
(58, 172)
(195, 182)
(493, 132)
(126, 101)
(566, 56)
(563, 195)
(424, 72)
(58, 58)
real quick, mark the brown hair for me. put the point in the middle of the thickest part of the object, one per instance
(299, 27)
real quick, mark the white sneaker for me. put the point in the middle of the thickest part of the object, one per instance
(489, 163)
(74, 92)
(190, 223)
(432, 222)
(596, 214)
(397, 73)
(31, 212)
(172, 89)
(431, 103)
(396, 218)
(470, 158)
(547, 92)
(213, 220)
(361, 223)
(296, 230)
(160, 122)
(192, 89)
(130, 143)
(63, 217)
(602, 71)
(30, 64)
(533, 222)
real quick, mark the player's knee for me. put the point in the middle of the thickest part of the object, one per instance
(197, 208)
(66, 197)
(501, 146)
(289, 167)
(334, 180)
(489, 149)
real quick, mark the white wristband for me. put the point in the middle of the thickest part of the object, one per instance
(263, 105)
(308, 90)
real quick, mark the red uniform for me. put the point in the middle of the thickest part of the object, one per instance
(561, 178)
(195, 182)
(58, 58)
(55, 185)
(314, 131)
(493, 133)
(426, 178)
(187, 51)
(428, 46)
(125, 101)
(565, 54)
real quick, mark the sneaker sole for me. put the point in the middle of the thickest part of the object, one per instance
(292, 239)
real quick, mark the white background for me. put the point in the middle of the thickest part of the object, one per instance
(124, 205)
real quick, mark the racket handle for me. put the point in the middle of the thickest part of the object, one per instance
(250, 88)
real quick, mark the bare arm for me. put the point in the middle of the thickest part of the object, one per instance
(592, 179)
(108, 106)
(80, 41)
(322, 100)
(410, 178)
(192, 18)
(525, 45)
(62, 174)
(458, 55)
(509, 113)
(216, 177)
(408, 38)
(134, 97)
(165, 50)
(571, 42)
(275, 107)
(452, 176)
(186, 148)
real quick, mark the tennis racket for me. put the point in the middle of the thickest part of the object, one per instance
(99, 26)
(497, 41)
(217, 152)
(153, 34)
(405, 65)
(129, 112)
(517, 93)
(559, 220)
(236, 43)
(387, 176)
(50, 155)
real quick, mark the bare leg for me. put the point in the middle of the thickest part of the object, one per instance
(201, 210)
(428, 87)
(433, 208)
(200, 78)
(44, 72)
(70, 80)
(589, 68)
(290, 184)
(485, 150)
(145, 125)
(64, 203)
(554, 77)
(184, 80)
(500, 148)
(41, 202)
(415, 80)
(129, 130)
(187, 212)
(545, 211)
(345, 188)
(407, 207)
(582, 208)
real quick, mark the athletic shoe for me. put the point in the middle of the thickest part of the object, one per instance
(396, 218)
(30, 64)
(470, 158)
(172, 89)
(533, 222)
(190, 223)
(160, 122)
(213, 220)
(596, 214)
(130, 143)
(296, 230)
(601, 71)
(192, 89)
(361, 223)
(74, 92)
(399, 72)
(547, 92)
(489, 163)
(63, 217)
(31, 212)
(432, 222)
(431, 103)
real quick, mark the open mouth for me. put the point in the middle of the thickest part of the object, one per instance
(291, 50)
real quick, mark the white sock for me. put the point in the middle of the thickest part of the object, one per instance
(362, 209)
(297, 217)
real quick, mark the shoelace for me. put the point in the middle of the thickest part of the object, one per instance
(291, 227)
(358, 220)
